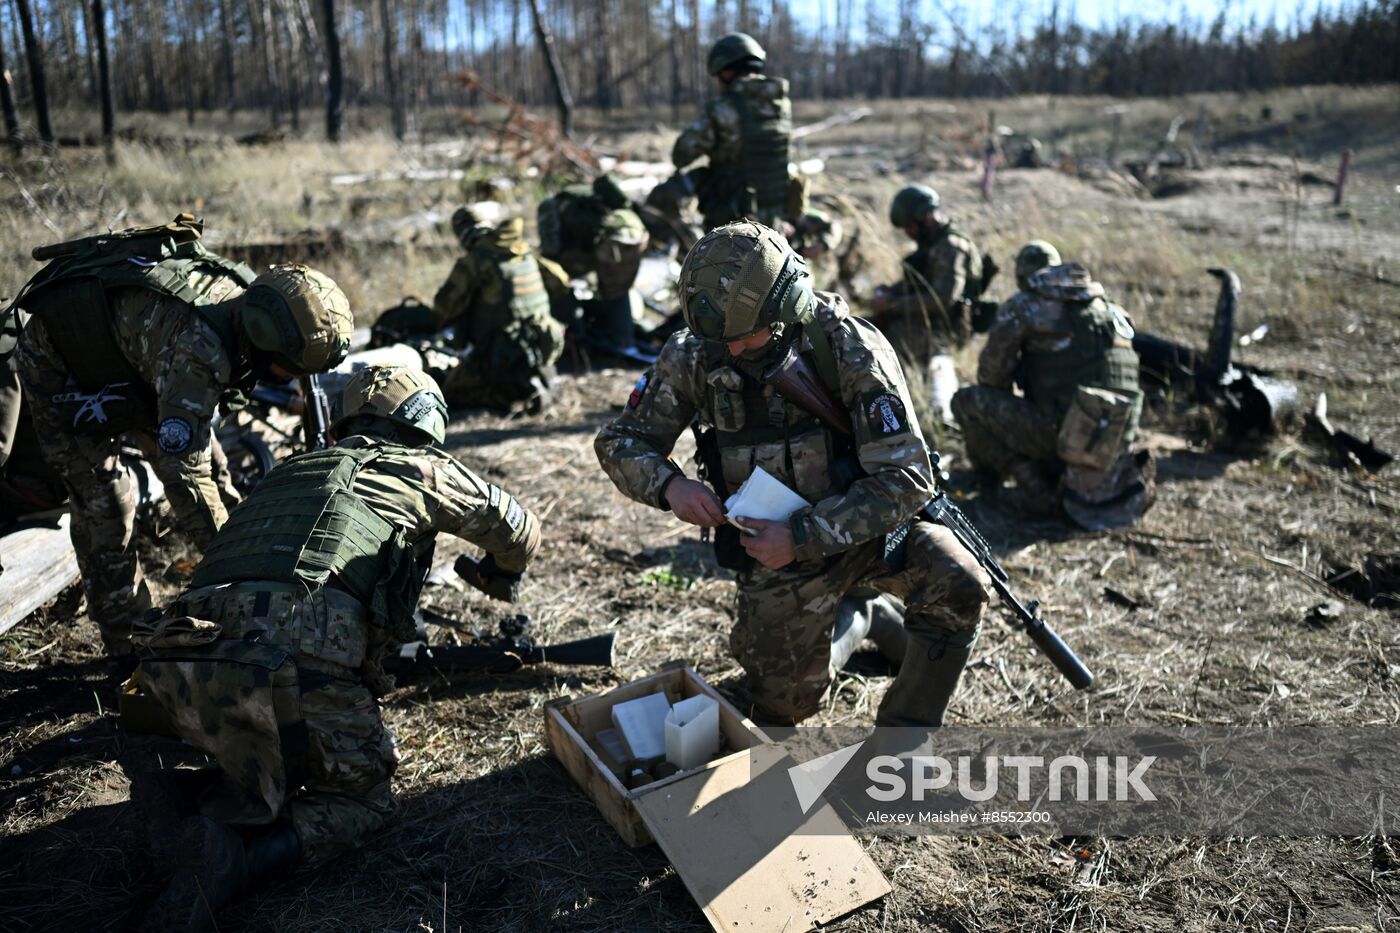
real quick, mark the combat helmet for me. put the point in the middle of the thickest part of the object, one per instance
(1034, 256)
(741, 278)
(402, 395)
(732, 49)
(297, 318)
(912, 204)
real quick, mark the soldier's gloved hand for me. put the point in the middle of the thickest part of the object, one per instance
(694, 503)
(772, 545)
(490, 579)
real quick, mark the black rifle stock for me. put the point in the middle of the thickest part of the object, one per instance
(944, 512)
(511, 650)
(795, 381)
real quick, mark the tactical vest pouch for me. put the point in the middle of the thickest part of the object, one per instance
(256, 692)
(729, 550)
(1094, 430)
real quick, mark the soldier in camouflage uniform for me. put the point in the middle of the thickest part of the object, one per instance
(745, 132)
(592, 228)
(143, 334)
(929, 313)
(496, 300)
(270, 662)
(747, 300)
(1073, 428)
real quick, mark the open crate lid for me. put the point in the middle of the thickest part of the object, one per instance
(748, 854)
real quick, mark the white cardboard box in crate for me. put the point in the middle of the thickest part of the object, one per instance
(733, 828)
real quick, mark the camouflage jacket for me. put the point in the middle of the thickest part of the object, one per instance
(494, 285)
(716, 133)
(425, 490)
(937, 275)
(635, 449)
(1033, 321)
(179, 355)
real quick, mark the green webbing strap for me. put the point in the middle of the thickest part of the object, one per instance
(824, 357)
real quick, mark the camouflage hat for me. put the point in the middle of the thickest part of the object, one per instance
(464, 221)
(1034, 256)
(911, 204)
(732, 49)
(607, 190)
(400, 394)
(741, 278)
(299, 317)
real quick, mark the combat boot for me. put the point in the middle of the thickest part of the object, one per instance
(927, 680)
(1035, 494)
(163, 800)
(219, 868)
(887, 630)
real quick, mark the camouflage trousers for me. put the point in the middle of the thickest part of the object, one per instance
(295, 736)
(101, 493)
(786, 617)
(1004, 431)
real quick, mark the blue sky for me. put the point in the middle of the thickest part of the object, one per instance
(975, 15)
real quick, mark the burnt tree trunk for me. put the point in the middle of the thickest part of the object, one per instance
(391, 74)
(556, 70)
(226, 40)
(335, 77)
(7, 102)
(104, 72)
(35, 54)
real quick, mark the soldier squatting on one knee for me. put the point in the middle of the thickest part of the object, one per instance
(270, 662)
(747, 300)
(1067, 441)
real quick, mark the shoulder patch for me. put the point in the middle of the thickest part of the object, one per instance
(885, 414)
(639, 390)
(175, 436)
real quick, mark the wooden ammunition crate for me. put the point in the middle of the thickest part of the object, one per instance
(751, 855)
(572, 725)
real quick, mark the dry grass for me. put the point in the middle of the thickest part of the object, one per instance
(492, 833)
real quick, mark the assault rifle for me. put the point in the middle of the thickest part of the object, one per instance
(511, 650)
(315, 413)
(795, 381)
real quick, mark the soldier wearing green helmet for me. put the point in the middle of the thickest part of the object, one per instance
(270, 662)
(930, 312)
(592, 229)
(496, 300)
(1066, 441)
(745, 132)
(748, 302)
(143, 334)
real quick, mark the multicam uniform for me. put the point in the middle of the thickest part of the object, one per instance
(745, 132)
(1061, 335)
(927, 312)
(182, 359)
(270, 661)
(589, 228)
(785, 617)
(496, 299)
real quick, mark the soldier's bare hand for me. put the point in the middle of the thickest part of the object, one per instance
(694, 503)
(772, 545)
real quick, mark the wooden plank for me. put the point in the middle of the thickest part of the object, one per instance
(750, 857)
(39, 563)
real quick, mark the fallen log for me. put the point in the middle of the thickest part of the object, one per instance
(38, 563)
